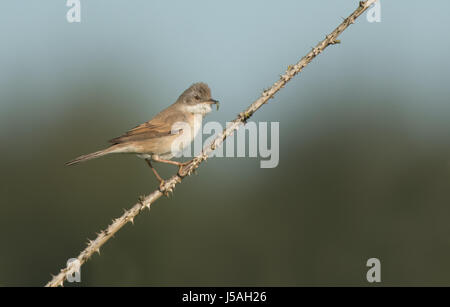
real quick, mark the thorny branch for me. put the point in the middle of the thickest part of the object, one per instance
(145, 202)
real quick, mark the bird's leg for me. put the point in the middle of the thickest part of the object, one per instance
(161, 181)
(179, 164)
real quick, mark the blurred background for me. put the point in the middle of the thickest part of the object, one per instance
(364, 166)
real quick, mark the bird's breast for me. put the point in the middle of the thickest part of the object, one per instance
(196, 125)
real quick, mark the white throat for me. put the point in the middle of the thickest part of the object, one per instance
(197, 127)
(199, 108)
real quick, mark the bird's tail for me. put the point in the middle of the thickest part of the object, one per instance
(93, 155)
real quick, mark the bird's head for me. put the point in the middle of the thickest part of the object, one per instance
(197, 99)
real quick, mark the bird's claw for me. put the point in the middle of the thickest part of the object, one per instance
(181, 171)
(165, 190)
(141, 199)
(161, 185)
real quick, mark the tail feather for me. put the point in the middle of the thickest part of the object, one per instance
(91, 156)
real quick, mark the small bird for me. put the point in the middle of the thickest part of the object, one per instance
(153, 140)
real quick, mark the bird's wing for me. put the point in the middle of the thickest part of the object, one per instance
(159, 126)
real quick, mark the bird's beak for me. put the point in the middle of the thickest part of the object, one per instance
(213, 101)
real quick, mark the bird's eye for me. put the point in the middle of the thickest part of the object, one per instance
(197, 97)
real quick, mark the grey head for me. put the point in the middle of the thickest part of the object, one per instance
(197, 93)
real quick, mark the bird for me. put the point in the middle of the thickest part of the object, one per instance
(166, 134)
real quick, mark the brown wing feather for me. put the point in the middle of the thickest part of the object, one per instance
(160, 125)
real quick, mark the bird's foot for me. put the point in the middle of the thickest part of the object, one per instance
(161, 186)
(181, 166)
(141, 199)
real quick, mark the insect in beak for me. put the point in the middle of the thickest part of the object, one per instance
(213, 101)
